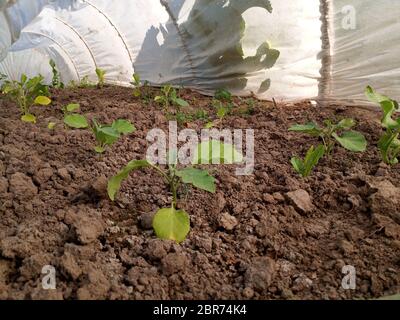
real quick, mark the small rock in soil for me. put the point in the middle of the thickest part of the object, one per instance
(173, 263)
(345, 247)
(204, 243)
(248, 293)
(301, 200)
(43, 175)
(88, 226)
(269, 198)
(227, 221)
(301, 283)
(146, 220)
(260, 273)
(70, 266)
(386, 199)
(156, 249)
(100, 185)
(278, 196)
(390, 228)
(64, 174)
(22, 186)
(3, 185)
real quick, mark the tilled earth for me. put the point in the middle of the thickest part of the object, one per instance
(270, 235)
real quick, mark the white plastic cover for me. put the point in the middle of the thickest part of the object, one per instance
(240, 45)
(205, 44)
(365, 38)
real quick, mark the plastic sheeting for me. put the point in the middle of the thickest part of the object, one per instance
(299, 49)
(364, 38)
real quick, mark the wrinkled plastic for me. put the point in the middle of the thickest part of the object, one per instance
(298, 50)
(239, 45)
(364, 37)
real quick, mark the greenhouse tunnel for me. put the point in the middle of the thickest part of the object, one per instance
(301, 49)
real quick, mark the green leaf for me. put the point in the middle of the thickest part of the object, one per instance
(215, 151)
(389, 108)
(76, 121)
(159, 99)
(114, 183)
(373, 96)
(310, 128)
(209, 125)
(345, 124)
(389, 146)
(23, 78)
(136, 92)
(107, 135)
(123, 126)
(99, 149)
(221, 112)
(72, 107)
(298, 165)
(30, 118)
(136, 78)
(312, 158)
(171, 224)
(181, 102)
(42, 100)
(51, 125)
(352, 140)
(222, 94)
(199, 178)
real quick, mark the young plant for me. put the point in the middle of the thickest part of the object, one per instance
(304, 167)
(100, 77)
(170, 97)
(332, 133)
(73, 119)
(107, 135)
(56, 80)
(201, 114)
(389, 143)
(223, 95)
(26, 93)
(172, 223)
(136, 84)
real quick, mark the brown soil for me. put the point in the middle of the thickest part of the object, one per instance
(257, 237)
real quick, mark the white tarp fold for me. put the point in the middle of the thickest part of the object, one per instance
(274, 49)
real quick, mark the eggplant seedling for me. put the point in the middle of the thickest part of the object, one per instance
(26, 93)
(223, 95)
(107, 135)
(100, 77)
(389, 143)
(56, 80)
(73, 119)
(170, 97)
(172, 223)
(136, 85)
(304, 167)
(330, 134)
